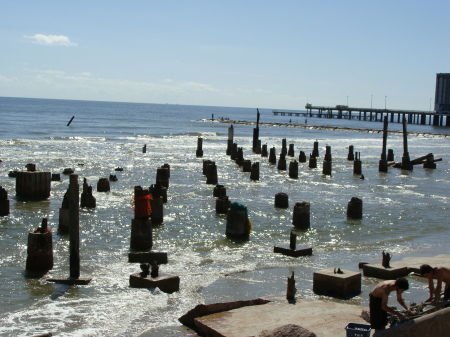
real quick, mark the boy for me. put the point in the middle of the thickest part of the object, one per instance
(378, 300)
(441, 274)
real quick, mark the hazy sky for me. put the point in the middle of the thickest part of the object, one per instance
(267, 54)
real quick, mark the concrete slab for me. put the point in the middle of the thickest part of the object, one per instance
(344, 284)
(298, 251)
(325, 319)
(390, 273)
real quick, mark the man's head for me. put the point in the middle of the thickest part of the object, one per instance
(402, 284)
(425, 269)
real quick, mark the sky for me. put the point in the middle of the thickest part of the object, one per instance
(247, 53)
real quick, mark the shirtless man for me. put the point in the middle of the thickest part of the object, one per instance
(441, 274)
(379, 300)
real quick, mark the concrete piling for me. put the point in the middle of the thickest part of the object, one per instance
(87, 199)
(282, 162)
(350, 155)
(40, 249)
(219, 191)
(238, 223)
(254, 173)
(293, 169)
(199, 152)
(355, 208)
(272, 156)
(302, 157)
(141, 225)
(301, 215)
(4, 202)
(281, 200)
(33, 185)
(357, 164)
(103, 185)
(222, 204)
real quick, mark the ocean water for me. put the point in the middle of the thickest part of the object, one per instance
(404, 212)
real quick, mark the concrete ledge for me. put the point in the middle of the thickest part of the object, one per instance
(378, 271)
(299, 251)
(165, 282)
(347, 284)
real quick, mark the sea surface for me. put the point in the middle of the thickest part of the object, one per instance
(405, 213)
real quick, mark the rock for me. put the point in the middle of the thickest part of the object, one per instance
(288, 330)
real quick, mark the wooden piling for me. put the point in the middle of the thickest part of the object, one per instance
(281, 200)
(33, 185)
(234, 151)
(246, 166)
(222, 204)
(312, 162)
(357, 164)
(350, 155)
(256, 149)
(293, 169)
(74, 226)
(144, 149)
(283, 146)
(272, 156)
(328, 153)
(406, 163)
(40, 249)
(162, 176)
(4, 202)
(141, 238)
(211, 174)
(291, 150)
(382, 164)
(326, 167)
(240, 157)
(205, 165)
(238, 225)
(355, 208)
(282, 162)
(315, 152)
(157, 215)
(390, 155)
(302, 157)
(301, 215)
(230, 140)
(70, 120)
(87, 199)
(157, 190)
(63, 224)
(254, 173)
(199, 152)
(219, 191)
(103, 185)
(264, 152)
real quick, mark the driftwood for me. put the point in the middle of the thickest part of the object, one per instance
(427, 158)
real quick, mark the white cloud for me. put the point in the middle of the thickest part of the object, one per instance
(51, 40)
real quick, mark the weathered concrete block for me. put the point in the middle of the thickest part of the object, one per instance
(298, 251)
(389, 273)
(165, 282)
(345, 284)
(147, 257)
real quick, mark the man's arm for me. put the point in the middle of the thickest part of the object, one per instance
(384, 306)
(401, 301)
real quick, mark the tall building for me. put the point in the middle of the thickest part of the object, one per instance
(442, 98)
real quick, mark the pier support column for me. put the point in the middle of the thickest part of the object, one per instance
(281, 200)
(256, 147)
(282, 162)
(291, 150)
(211, 174)
(355, 208)
(222, 205)
(350, 155)
(4, 202)
(312, 162)
(40, 249)
(163, 176)
(230, 139)
(254, 174)
(293, 169)
(390, 155)
(272, 156)
(406, 162)
(301, 215)
(73, 195)
(87, 199)
(141, 226)
(157, 216)
(357, 163)
(199, 151)
(315, 152)
(264, 152)
(103, 185)
(302, 157)
(382, 164)
(238, 224)
(33, 185)
(219, 191)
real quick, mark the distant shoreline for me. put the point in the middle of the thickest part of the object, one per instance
(325, 127)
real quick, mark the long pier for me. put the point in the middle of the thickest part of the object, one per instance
(370, 114)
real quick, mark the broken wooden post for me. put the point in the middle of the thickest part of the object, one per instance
(291, 150)
(293, 169)
(222, 204)
(328, 153)
(357, 163)
(315, 152)
(430, 162)
(234, 151)
(87, 199)
(162, 176)
(141, 225)
(355, 208)
(291, 289)
(312, 161)
(264, 152)
(240, 157)
(70, 120)
(157, 216)
(157, 190)
(406, 164)
(56, 177)
(199, 152)
(282, 162)
(40, 249)
(33, 185)
(350, 155)
(219, 191)
(103, 185)
(302, 157)
(238, 224)
(246, 165)
(292, 240)
(281, 200)
(256, 148)
(385, 262)
(301, 216)
(4, 202)
(382, 164)
(254, 173)
(272, 156)
(230, 140)
(63, 225)
(211, 174)
(292, 249)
